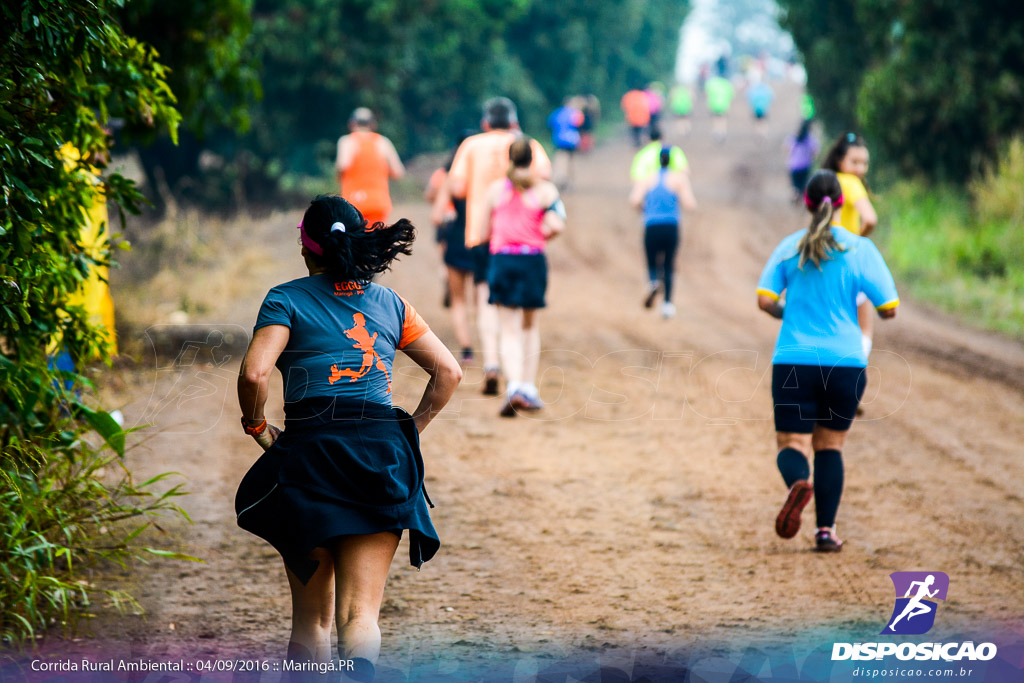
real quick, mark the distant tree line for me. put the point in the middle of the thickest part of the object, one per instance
(937, 86)
(267, 85)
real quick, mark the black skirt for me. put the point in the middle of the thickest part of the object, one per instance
(518, 280)
(340, 468)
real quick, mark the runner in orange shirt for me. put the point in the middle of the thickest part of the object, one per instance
(480, 160)
(366, 161)
(637, 108)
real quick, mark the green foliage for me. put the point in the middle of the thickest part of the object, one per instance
(65, 69)
(212, 73)
(997, 193)
(950, 85)
(835, 52)
(936, 85)
(424, 67)
(203, 44)
(602, 48)
(61, 520)
(964, 253)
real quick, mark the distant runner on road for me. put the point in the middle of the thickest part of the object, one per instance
(636, 105)
(647, 161)
(661, 197)
(365, 162)
(719, 93)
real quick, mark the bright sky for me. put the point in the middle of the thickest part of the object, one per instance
(699, 44)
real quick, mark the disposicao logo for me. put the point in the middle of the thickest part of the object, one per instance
(913, 614)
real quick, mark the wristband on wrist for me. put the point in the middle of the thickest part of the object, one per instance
(256, 430)
(558, 207)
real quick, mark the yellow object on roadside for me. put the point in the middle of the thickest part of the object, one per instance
(94, 293)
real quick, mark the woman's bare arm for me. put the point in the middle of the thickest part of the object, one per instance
(636, 197)
(254, 375)
(433, 356)
(770, 306)
(868, 217)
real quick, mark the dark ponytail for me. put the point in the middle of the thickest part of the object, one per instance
(823, 197)
(839, 148)
(353, 249)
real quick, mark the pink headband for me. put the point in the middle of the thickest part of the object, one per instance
(308, 242)
(812, 206)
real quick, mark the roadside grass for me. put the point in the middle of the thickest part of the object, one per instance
(962, 250)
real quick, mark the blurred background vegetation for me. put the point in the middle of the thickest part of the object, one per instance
(265, 87)
(937, 88)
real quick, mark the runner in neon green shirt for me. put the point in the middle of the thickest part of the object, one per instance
(646, 162)
(719, 93)
(681, 103)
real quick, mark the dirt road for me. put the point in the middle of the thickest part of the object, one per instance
(636, 512)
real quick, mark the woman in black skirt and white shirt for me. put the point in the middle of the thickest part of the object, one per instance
(336, 488)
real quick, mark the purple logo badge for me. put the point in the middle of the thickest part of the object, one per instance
(916, 595)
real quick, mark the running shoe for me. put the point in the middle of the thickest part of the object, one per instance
(508, 407)
(788, 521)
(826, 542)
(668, 310)
(524, 401)
(652, 291)
(467, 355)
(491, 382)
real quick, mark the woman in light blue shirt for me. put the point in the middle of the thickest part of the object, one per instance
(818, 375)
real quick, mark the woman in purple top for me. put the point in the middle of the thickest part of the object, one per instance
(802, 149)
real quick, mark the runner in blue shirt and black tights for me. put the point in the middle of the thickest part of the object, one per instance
(662, 197)
(818, 374)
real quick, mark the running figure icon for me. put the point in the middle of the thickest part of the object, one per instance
(917, 606)
(364, 341)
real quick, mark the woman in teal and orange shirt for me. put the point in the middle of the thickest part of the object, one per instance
(335, 490)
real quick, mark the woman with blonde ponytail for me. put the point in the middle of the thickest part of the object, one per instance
(525, 212)
(818, 369)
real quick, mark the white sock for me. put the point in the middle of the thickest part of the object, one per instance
(514, 388)
(865, 342)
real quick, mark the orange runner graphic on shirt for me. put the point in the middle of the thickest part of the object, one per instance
(364, 342)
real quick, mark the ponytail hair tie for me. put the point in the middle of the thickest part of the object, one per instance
(338, 226)
(813, 206)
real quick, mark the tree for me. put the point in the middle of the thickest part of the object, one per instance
(425, 67)
(65, 70)
(948, 88)
(212, 73)
(835, 51)
(936, 85)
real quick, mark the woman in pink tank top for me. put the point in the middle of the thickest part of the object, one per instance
(525, 212)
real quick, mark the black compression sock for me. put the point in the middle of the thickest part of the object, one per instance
(793, 465)
(828, 485)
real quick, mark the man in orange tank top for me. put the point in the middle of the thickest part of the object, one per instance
(637, 108)
(366, 161)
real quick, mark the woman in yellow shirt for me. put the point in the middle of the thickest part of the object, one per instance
(849, 159)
